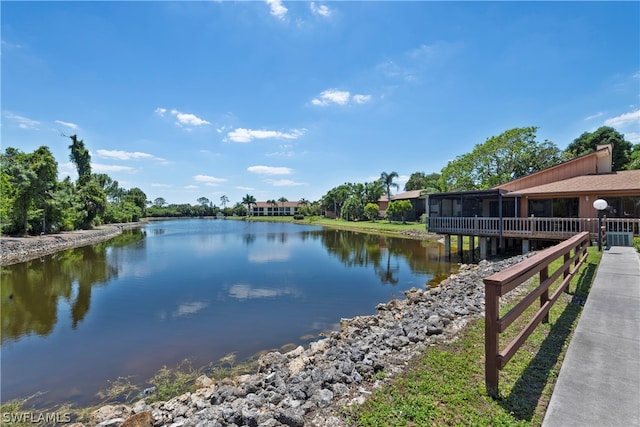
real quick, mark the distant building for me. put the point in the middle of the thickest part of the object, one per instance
(277, 209)
(416, 197)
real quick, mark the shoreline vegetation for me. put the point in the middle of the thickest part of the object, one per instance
(442, 383)
(17, 249)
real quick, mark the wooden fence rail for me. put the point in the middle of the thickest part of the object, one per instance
(503, 282)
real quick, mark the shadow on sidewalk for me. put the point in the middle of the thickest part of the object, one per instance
(528, 389)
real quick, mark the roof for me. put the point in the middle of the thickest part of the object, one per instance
(277, 205)
(414, 194)
(620, 182)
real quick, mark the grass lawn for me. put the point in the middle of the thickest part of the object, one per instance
(445, 386)
(379, 226)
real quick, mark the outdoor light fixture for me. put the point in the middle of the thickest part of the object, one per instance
(600, 205)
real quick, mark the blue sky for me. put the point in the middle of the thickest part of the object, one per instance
(290, 99)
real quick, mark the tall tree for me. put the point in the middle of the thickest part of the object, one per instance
(587, 142)
(373, 191)
(634, 158)
(138, 198)
(80, 157)
(283, 200)
(32, 178)
(223, 201)
(513, 154)
(249, 200)
(422, 181)
(387, 180)
(159, 202)
(274, 206)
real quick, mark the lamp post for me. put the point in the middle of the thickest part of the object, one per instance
(600, 205)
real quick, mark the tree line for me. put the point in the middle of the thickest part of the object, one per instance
(32, 200)
(513, 154)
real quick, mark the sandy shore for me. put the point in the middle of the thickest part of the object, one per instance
(14, 250)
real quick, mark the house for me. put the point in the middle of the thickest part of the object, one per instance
(552, 204)
(277, 209)
(416, 197)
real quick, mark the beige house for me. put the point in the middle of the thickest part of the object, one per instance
(277, 209)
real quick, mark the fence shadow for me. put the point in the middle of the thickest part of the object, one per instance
(528, 389)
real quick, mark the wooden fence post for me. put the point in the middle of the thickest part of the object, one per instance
(491, 342)
(544, 297)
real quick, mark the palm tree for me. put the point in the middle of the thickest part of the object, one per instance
(249, 200)
(283, 200)
(223, 201)
(387, 180)
(304, 203)
(273, 204)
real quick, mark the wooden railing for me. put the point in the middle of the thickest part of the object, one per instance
(529, 227)
(503, 282)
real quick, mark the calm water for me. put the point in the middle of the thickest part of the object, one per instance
(196, 289)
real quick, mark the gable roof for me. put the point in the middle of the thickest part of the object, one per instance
(407, 195)
(623, 182)
(596, 162)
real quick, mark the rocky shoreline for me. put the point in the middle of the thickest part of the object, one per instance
(309, 386)
(14, 250)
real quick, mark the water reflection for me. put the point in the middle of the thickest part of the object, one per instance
(197, 289)
(242, 291)
(32, 290)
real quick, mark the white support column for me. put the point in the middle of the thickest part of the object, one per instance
(483, 247)
(472, 246)
(525, 246)
(494, 246)
(447, 245)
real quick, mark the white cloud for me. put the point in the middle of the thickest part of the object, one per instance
(67, 124)
(247, 135)
(126, 155)
(240, 187)
(191, 187)
(321, 10)
(188, 119)
(97, 167)
(624, 119)
(361, 99)
(23, 122)
(339, 97)
(270, 170)
(161, 111)
(594, 116)
(632, 137)
(332, 96)
(281, 154)
(159, 185)
(209, 180)
(283, 182)
(277, 9)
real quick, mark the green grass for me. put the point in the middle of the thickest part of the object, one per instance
(379, 226)
(445, 386)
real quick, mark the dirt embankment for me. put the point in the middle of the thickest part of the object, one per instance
(14, 250)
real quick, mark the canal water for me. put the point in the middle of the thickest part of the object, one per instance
(194, 289)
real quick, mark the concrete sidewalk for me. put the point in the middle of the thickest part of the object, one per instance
(599, 382)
